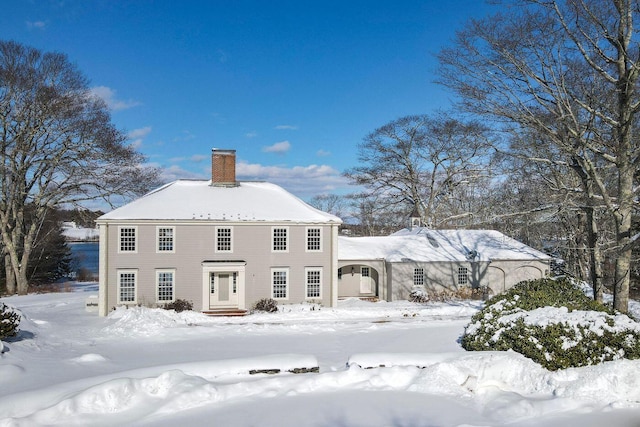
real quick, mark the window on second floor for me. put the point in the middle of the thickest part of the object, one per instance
(127, 239)
(280, 239)
(224, 239)
(314, 240)
(165, 239)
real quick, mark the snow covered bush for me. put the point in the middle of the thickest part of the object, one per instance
(9, 322)
(419, 295)
(179, 305)
(266, 304)
(555, 324)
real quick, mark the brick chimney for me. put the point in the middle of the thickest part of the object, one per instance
(223, 168)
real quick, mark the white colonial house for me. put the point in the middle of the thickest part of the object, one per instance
(220, 243)
(390, 267)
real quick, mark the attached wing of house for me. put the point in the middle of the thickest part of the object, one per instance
(389, 267)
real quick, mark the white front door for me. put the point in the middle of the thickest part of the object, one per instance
(223, 289)
(366, 285)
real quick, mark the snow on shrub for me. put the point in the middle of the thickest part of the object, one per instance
(179, 305)
(9, 321)
(555, 324)
(419, 295)
(266, 304)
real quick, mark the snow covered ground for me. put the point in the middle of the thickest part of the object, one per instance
(380, 364)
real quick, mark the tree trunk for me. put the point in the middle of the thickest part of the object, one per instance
(10, 277)
(595, 255)
(623, 240)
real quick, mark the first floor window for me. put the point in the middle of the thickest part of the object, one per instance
(463, 276)
(279, 283)
(165, 282)
(127, 237)
(313, 282)
(127, 281)
(418, 277)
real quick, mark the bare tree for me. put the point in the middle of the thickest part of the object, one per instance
(568, 70)
(421, 161)
(58, 148)
(333, 203)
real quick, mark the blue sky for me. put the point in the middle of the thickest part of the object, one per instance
(292, 86)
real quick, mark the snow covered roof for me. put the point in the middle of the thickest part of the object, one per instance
(425, 245)
(199, 200)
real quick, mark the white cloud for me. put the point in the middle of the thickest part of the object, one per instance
(36, 25)
(251, 134)
(137, 135)
(196, 158)
(185, 135)
(174, 172)
(303, 181)
(108, 95)
(286, 127)
(278, 147)
(323, 153)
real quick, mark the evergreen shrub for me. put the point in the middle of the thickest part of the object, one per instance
(9, 322)
(555, 324)
(419, 295)
(268, 305)
(179, 305)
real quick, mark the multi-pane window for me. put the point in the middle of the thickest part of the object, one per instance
(127, 236)
(165, 284)
(463, 276)
(223, 239)
(279, 283)
(165, 239)
(126, 287)
(418, 277)
(314, 281)
(314, 244)
(280, 241)
(234, 283)
(365, 271)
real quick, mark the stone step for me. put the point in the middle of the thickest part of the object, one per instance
(225, 312)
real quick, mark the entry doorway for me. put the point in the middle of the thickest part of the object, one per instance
(223, 289)
(223, 285)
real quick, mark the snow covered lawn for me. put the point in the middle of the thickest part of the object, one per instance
(379, 364)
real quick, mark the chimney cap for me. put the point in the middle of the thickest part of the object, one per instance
(223, 151)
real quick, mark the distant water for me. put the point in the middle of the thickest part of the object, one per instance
(85, 255)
